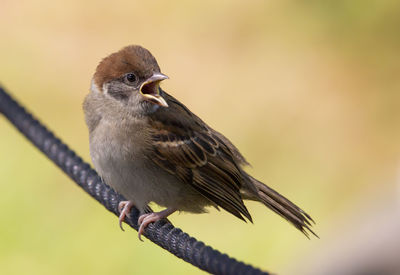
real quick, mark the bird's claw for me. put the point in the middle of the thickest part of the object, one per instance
(147, 218)
(124, 208)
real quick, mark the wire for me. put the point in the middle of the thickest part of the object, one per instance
(161, 233)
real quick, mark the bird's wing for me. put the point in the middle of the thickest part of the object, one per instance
(187, 148)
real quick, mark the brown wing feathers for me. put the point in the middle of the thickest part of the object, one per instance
(211, 164)
(201, 160)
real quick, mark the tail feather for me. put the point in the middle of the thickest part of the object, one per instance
(282, 206)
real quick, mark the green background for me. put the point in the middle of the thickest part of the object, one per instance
(308, 90)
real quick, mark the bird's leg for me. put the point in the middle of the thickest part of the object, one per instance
(145, 219)
(124, 208)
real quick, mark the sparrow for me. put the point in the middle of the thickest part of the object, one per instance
(149, 147)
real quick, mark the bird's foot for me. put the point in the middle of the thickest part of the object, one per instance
(124, 208)
(145, 219)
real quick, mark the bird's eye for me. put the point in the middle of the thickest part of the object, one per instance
(130, 77)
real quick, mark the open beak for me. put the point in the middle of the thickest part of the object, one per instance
(150, 89)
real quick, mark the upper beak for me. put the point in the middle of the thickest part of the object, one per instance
(150, 89)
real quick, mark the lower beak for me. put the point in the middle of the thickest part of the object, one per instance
(150, 89)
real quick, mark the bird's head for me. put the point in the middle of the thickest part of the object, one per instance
(131, 77)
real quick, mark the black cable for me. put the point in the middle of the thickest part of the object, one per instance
(162, 233)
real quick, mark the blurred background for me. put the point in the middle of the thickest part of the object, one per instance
(308, 90)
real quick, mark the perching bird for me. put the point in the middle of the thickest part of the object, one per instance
(150, 147)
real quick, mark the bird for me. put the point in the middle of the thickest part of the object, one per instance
(148, 146)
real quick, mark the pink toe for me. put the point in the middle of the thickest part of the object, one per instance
(143, 217)
(140, 232)
(121, 219)
(124, 208)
